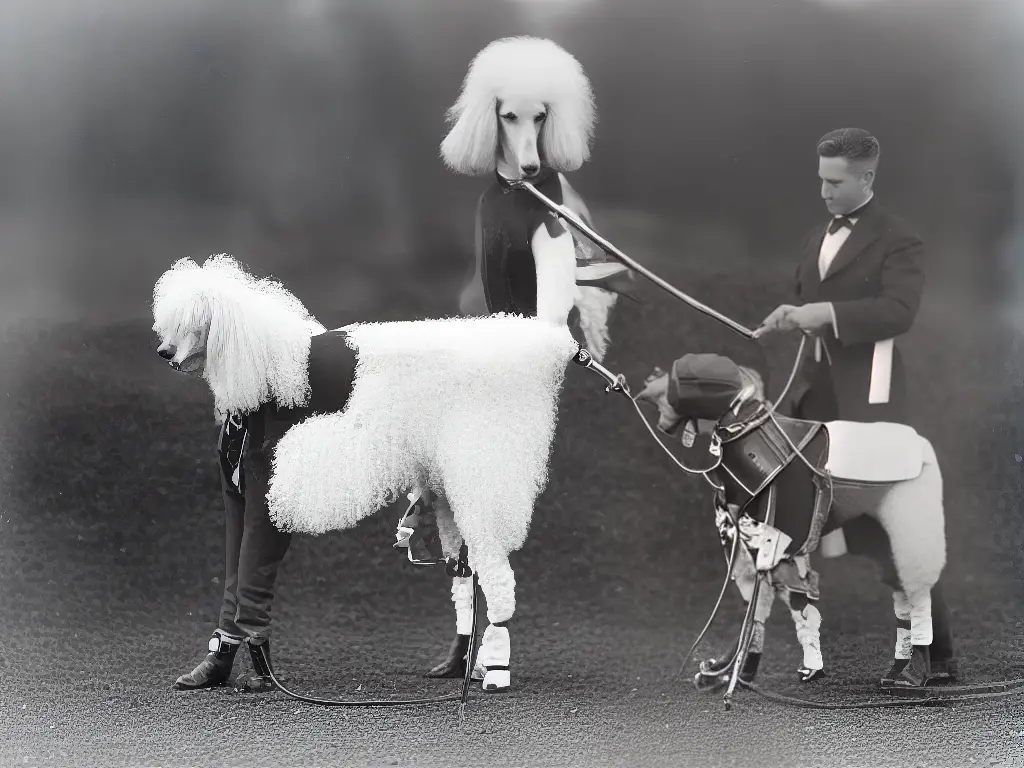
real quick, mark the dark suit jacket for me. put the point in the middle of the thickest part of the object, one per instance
(875, 284)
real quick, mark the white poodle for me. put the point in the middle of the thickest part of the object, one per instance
(526, 111)
(337, 423)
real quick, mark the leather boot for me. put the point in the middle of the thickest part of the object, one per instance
(259, 681)
(918, 670)
(215, 669)
(454, 665)
(894, 672)
(808, 675)
(715, 673)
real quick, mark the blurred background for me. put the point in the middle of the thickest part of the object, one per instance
(302, 137)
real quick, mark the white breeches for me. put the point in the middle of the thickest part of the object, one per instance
(920, 615)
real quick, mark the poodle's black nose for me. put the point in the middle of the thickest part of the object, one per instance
(166, 351)
(531, 169)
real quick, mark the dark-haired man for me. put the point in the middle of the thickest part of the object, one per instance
(859, 284)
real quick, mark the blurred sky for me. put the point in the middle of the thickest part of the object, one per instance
(302, 135)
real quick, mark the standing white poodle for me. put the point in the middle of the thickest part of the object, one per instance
(323, 428)
(525, 112)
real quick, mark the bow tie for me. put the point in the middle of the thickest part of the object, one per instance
(838, 223)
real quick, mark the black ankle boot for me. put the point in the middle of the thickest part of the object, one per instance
(212, 671)
(455, 663)
(259, 681)
(750, 665)
(715, 673)
(894, 671)
(918, 670)
(716, 666)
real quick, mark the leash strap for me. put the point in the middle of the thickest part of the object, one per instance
(571, 218)
(462, 698)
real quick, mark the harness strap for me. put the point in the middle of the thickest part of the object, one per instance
(823, 496)
(752, 455)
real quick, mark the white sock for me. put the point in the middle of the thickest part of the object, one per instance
(462, 596)
(496, 648)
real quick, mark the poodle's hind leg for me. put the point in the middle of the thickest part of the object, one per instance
(912, 515)
(904, 646)
(454, 665)
(918, 669)
(491, 476)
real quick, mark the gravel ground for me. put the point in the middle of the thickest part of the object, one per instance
(110, 554)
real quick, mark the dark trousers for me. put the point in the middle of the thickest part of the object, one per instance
(864, 535)
(254, 551)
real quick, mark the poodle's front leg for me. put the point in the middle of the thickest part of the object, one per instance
(454, 665)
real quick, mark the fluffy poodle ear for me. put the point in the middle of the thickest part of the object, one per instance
(470, 146)
(234, 353)
(566, 136)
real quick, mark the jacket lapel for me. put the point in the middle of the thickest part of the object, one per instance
(809, 277)
(865, 232)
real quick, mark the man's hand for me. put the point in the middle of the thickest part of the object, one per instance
(809, 318)
(776, 321)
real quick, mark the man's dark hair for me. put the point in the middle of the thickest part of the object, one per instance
(854, 144)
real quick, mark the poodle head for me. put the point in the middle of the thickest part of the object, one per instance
(183, 314)
(248, 337)
(526, 103)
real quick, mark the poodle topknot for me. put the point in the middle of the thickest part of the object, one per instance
(521, 67)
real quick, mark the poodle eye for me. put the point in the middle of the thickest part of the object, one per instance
(510, 117)
(540, 118)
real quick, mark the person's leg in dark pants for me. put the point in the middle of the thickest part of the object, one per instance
(234, 526)
(262, 551)
(215, 669)
(943, 650)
